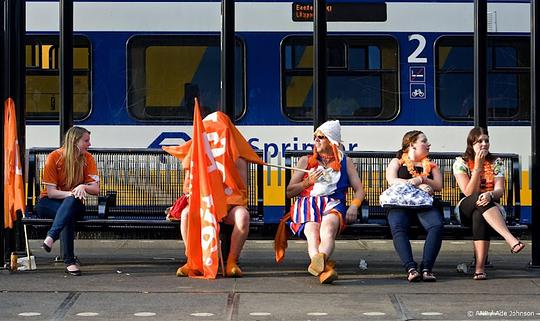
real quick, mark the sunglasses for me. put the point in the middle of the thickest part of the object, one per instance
(320, 137)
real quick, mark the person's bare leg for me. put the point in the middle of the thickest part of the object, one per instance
(311, 231)
(317, 259)
(183, 270)
(494, 218)
(481, 249)
(238, 217)
(183, 225)
(329, 230)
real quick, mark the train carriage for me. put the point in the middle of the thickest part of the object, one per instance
(392, 66)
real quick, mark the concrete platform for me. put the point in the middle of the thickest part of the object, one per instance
(135, 280)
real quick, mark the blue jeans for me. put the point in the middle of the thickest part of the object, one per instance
(64, 214)
(400, 221)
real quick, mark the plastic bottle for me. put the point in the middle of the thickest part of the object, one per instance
(13, 262)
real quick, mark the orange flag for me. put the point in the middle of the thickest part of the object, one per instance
(207, 204)
(227, 144)
(13, 178)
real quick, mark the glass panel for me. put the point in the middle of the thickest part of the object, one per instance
(503, 94)
(455, 95)
(354, 96)
(358, 58)
(165, 74)
(455, 58)
(508, 96)
(363, 86)
(374, 57)
(42, 92)
(336, 54)
(32, 53)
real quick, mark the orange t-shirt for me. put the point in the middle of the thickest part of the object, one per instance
(54, 172)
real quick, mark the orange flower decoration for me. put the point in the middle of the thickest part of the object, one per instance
(426, 166)
(487, 177)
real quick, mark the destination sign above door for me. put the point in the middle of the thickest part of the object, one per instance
(342, 11)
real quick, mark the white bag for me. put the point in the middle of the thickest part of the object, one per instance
(405, 195)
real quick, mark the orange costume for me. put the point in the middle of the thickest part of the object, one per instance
(210, 158)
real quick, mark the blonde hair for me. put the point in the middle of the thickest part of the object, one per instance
(74, 160)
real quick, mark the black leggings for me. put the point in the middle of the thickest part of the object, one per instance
(472, 215)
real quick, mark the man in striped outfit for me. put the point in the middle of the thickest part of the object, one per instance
(319, 212)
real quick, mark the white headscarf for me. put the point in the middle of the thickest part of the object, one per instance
(332, 130)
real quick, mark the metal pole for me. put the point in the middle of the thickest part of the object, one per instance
(19, 98)
(480, 63)
(66, 67)
(320, 114)
(4, 91)
(227, 59)
(20, 80)
(534, 175)
(13, 87)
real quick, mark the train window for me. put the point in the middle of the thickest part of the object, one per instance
(362, 77)
(365, 58)
(42, 92)
(166, 72)
(508, 78)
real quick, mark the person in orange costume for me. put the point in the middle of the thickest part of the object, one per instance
(319, 211)
(232, 152)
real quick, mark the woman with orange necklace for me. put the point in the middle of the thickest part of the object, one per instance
(480, 177)
(319, 211)
(412, 166)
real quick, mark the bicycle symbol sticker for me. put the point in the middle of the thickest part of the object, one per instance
(418, 91)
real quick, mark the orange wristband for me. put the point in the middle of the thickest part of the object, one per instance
(356, 202)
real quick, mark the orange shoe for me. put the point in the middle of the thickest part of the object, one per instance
(182, 271)
(316, 267)
(328, 276)
(233, 271)
(331, 264)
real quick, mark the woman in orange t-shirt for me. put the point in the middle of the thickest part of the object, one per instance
(70, 173)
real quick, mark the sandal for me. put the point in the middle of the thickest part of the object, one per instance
(480, 276)
(428, 276)
(75, 271)
(413, 275)
(517, 247)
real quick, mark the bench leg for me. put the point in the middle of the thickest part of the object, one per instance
(59, 258)
(225, 234)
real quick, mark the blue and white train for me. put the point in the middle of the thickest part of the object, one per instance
(392, 66)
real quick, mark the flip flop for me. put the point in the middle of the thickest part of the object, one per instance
(517, 247)
(480, 276)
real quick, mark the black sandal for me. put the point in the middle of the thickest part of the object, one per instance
(76, 272)
(428, 276)
(413, 275)
(480, 276)
(520, 246)
(46, 247)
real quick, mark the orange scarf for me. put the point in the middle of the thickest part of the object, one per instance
(487, 177)
(426, 166)
(335, 165)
